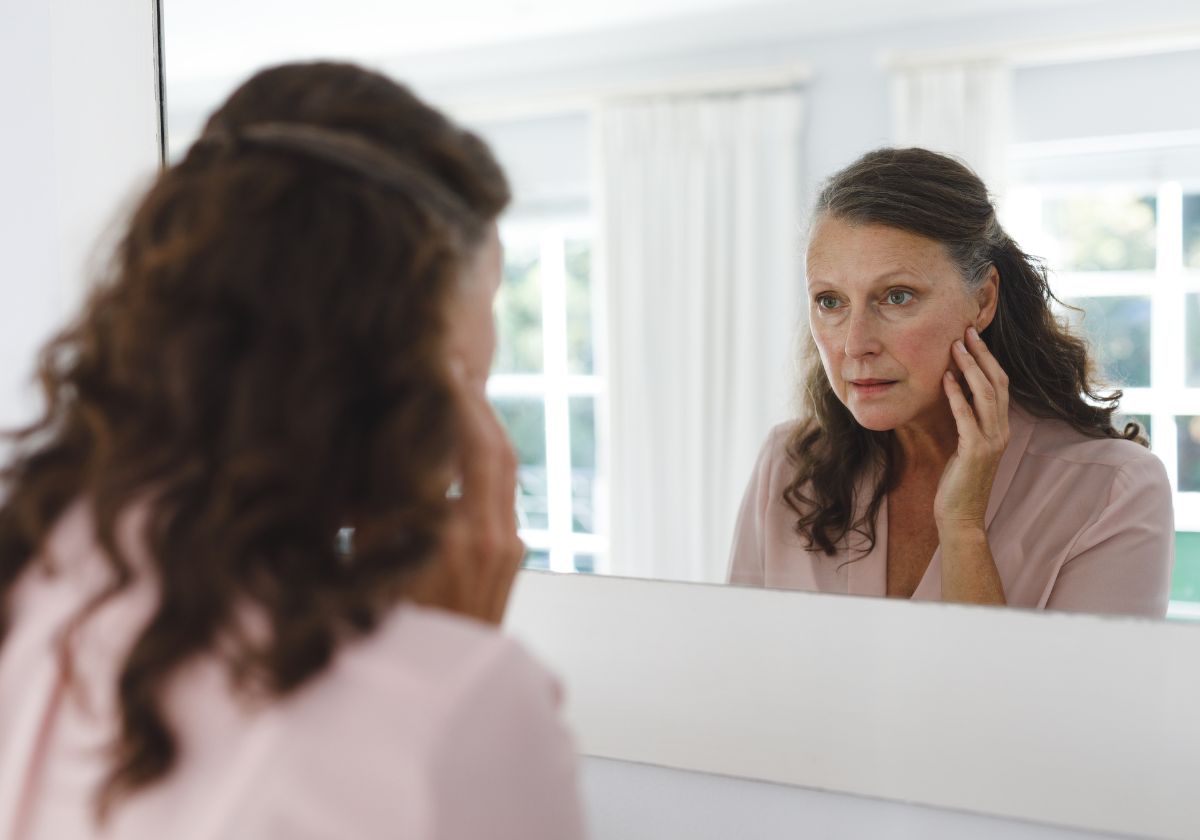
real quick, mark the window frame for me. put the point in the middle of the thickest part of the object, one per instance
(1166, 285)
(555, 386)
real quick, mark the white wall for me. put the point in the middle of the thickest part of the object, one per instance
(848, 108)
(29, 280)
(78, 87)
(547, 159)
(1106, 97)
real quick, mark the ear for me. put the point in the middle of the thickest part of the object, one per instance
(988, 298)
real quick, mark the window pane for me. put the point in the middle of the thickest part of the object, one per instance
(537, 560)
(1100, 232)
(1189, 453)
(1143, 420)
(1191, 230)
(1185, 577)
(519, 314)
(579, 307)
(1192, 305)
(583, 464)
(585, 563)
(525, 420)
(1118, 330)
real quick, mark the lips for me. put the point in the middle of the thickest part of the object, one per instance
(870, 387)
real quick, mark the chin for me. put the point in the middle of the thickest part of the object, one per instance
(876, 424)
(879, 418)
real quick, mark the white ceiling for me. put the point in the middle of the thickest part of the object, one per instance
(207, 38)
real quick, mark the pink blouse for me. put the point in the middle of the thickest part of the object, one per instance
(435, 726)
(1074, 523)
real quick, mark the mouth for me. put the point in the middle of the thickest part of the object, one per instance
(867, 387)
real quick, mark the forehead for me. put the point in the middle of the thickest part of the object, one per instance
(841, 250)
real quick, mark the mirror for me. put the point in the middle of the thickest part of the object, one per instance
(654, 301)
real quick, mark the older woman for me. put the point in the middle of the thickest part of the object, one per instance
(295, 339)
(953, 446)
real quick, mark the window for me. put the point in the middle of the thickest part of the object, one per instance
(1127, 254)
(548, 392)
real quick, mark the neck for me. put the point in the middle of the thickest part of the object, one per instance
(924, 446)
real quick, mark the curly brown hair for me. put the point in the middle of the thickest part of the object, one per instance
(264, 364)
(1049, 369)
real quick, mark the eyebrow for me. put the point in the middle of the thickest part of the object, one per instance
(881, 280)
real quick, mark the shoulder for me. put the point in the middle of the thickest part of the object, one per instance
(1058, 446)
(783, 432)
(1057, 440)
(773, 468)
(500, 762)
(432, 714)
(774, 451)
(441, 654)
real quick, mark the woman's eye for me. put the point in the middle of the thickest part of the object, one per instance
(899, 297)
(826, 302)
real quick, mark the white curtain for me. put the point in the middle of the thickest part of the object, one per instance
(700, 250)
(960, 108)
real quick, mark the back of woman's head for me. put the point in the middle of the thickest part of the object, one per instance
(264, 365)
(1049, 369)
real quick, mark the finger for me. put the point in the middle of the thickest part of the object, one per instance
(964, 415)
(983, 392)
(475, 509)
(504, 490)
(991, 367)
(489, 492)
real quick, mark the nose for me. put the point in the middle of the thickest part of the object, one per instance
(862, 336)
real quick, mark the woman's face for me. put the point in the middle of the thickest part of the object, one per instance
(472, 328)
(885, 306)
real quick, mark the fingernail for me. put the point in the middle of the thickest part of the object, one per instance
(973, 332)
(962, 347)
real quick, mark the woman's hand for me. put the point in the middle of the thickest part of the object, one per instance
(480, 552)
(969, 573)
(966, 484)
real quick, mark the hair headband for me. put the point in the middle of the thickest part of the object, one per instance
(349, 151)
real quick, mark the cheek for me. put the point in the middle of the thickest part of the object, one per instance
(829, 334)
(924, 349)
(826, 344)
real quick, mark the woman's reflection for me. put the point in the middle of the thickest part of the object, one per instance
(953, 445)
